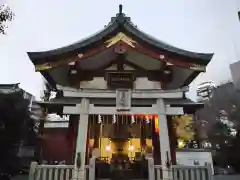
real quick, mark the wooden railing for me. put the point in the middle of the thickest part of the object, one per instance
(180, 172)
(62, 172)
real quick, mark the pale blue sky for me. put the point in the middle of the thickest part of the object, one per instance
(195, 25)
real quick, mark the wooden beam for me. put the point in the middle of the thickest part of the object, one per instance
(120, 61)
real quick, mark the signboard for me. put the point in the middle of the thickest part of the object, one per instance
(123, 100)
(120, 80)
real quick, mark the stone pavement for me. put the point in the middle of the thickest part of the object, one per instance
(20, 177)
(222, 177)
(227, 177)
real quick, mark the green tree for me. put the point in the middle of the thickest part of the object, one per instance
(221, 133)
(16, 126)
(6, 15)
(233, 155)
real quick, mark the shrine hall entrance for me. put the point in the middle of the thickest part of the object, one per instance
(121, 143)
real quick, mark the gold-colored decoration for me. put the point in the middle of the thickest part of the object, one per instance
(42, 67)
(120, 37)
(198, 67)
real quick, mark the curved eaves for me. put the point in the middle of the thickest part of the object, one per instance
(77, 45)
(162, 45)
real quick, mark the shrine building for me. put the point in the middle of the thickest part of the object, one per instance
(120, 88)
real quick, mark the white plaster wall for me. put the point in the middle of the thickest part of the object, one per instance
(187, 158)
(56, 125)
(96, 83)
(144, 83)
(100, 83)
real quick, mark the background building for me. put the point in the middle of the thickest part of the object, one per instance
(205, 90)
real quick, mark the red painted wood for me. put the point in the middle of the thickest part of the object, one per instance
(156, 146)
(56, 145)
(72, 136)
(141, 48)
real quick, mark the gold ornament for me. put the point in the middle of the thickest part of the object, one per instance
(120, 37)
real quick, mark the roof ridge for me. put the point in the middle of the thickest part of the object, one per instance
(120, 20)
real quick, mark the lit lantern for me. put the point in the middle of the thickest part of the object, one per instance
(108, 148)
(131, 148)
(156, 124)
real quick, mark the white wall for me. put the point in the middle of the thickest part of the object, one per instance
(188, 157)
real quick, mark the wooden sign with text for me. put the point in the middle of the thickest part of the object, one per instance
(120, 80)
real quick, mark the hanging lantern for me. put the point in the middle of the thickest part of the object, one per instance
(99, 119)
(114, 119)
(132, 119)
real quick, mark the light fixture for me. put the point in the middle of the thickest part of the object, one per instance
(131, 148)
(108, 148)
